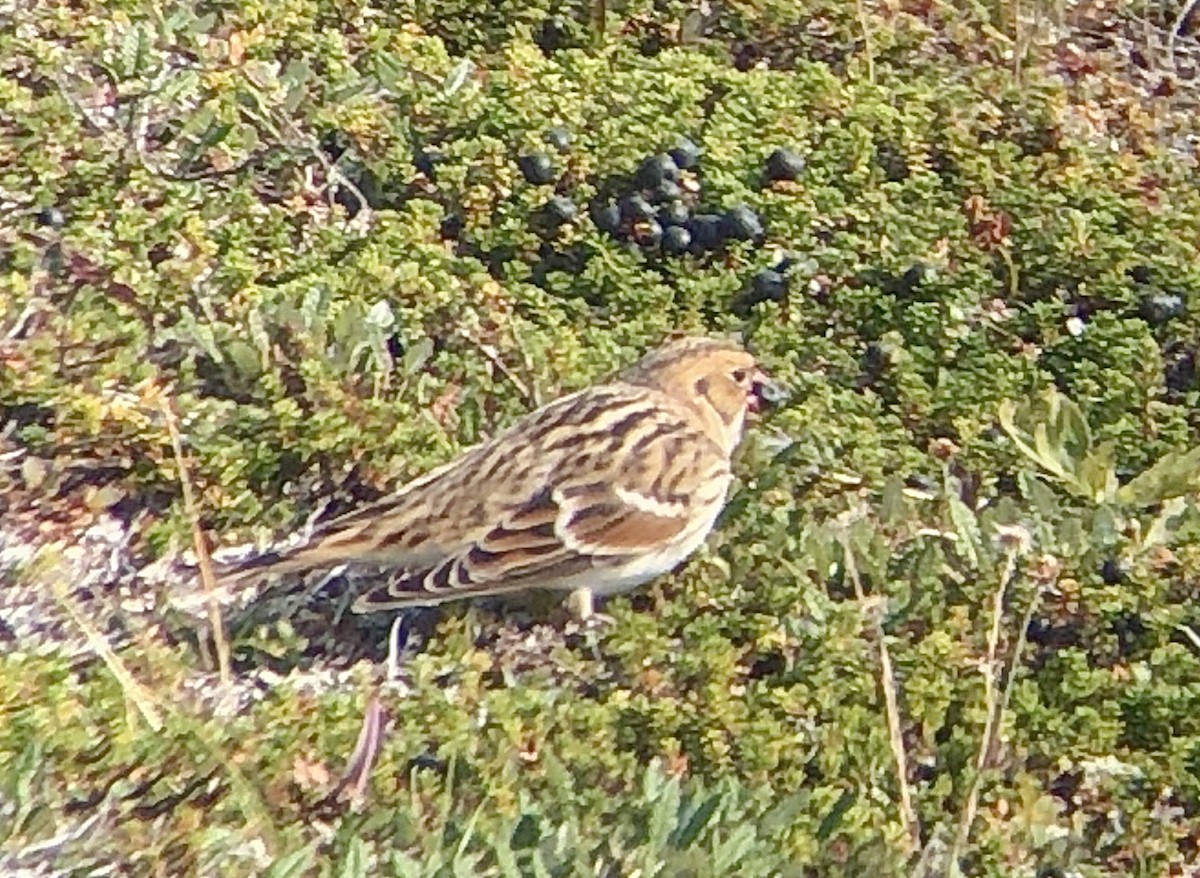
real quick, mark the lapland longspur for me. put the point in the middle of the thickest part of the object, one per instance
(594, 493)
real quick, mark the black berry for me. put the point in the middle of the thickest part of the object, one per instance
(552, 35)
(51, 217)
(673, 214)
(685, 154)
(426, 160)
(606, 216)
(784, 164)
(767, 286)
(559, 209)
(537, 168)
(558, 137)
(667, 190)
(740, 223)
(655, 170)
(451, 227)
(1161, 307)
(676, 240)
(1179, 369)
(893, 163)
(904, 285)
(635, 208)
(875, 361)
(707, 232)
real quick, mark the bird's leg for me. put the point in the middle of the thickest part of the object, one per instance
(397, 640)
(581, 604)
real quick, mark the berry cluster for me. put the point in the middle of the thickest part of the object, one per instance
(658, 208)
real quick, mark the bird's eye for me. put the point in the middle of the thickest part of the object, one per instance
(740, 375)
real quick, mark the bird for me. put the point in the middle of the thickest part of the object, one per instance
(592, 494)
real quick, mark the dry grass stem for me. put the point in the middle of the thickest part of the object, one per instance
(868, 50)
(996, 702)
(137, 693)
(353, 783)
(1185, 12)
(528, 393)
(887, 681)
(204, 559)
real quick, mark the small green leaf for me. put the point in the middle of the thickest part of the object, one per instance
(666, 809)
(784, 814)
(245, 358)
(457, 77)
(697, 822)
(292, 865)
(966, 526)
(1098, 474)
(894, 508)
(404, 866)
(1173, 475)
(354, 865)
(295, 82)
(1040, 495)
(390, 70)
(833, 819)
(1072, 433)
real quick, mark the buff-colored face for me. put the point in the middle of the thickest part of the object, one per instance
(719, 379)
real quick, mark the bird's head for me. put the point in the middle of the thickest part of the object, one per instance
(718, 378)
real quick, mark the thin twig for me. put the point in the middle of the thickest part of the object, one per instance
(207, 576)
(887, 681)
(531, 397)
(1173, 35)
(1189, 633)
(995, 706)
(333, 173)
(861, 9)
(600, 20)
(992, 670)
(1014, 283)
(134, 690)
(1019, 648)
(353, 783)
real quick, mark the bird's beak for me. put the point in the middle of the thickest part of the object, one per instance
(765, 392)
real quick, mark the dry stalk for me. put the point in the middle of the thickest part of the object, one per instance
(868, 49)
(528, 393)
(207, 577)
(997, 701)
(1176, 26)
(134, 690)
(887, 682)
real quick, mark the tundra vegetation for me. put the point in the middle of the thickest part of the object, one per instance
(949, 622)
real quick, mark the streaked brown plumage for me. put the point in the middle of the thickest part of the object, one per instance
(599, 490)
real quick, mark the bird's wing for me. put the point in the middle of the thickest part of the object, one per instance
(445, 511)
(659, 481)
(558, 534)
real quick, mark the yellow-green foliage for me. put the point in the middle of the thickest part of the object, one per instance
(305, 220)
